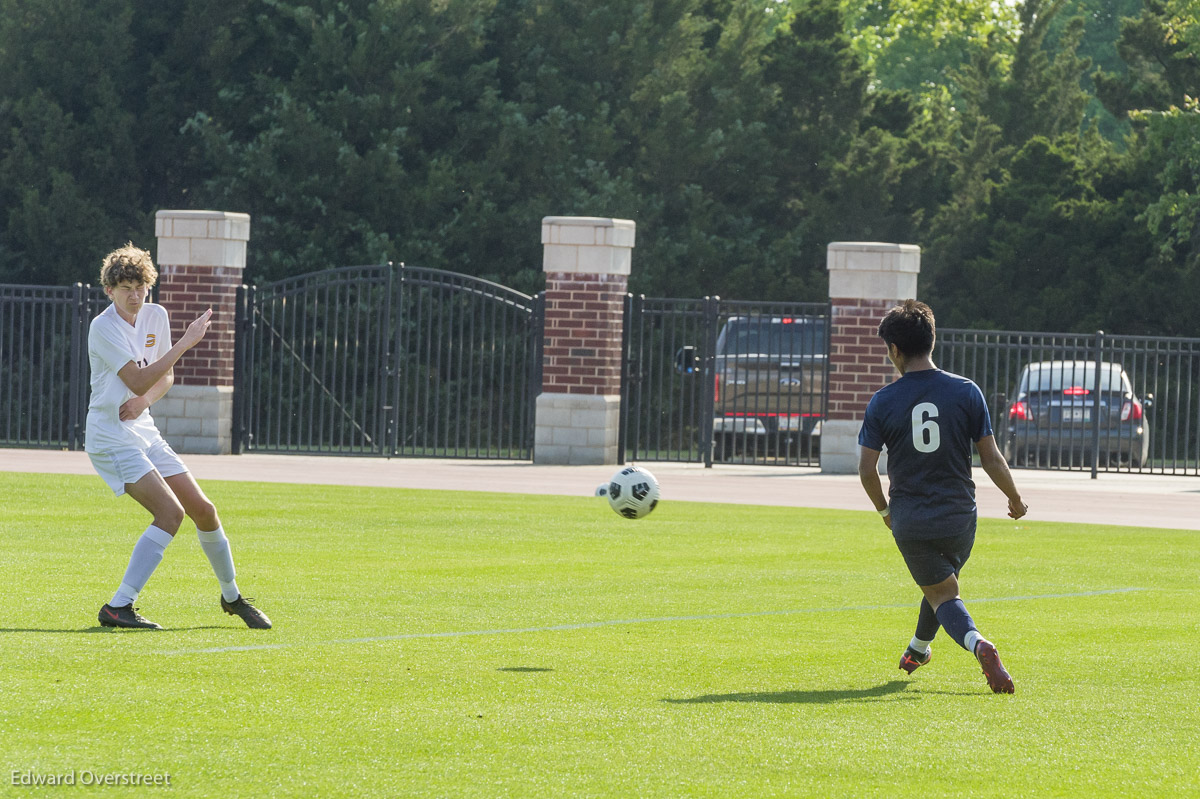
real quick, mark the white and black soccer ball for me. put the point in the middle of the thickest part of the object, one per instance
(632, 492)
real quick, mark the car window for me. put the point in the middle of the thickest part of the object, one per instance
(1072, 374)
(774, 336)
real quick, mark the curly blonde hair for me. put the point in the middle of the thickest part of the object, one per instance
(128, 264)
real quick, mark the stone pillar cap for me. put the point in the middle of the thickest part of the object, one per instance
(588, 231)
(590, 221)
(202, 238)
(191, 214)
(587, 244)
(873, 245)
(904, 262)
(228, 225)
(873, 270)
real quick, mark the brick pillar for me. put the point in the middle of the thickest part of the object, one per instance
(587, 262)
(865, 280)
(201, 257)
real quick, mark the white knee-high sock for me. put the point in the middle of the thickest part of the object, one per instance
(220, 557)
(147, 554)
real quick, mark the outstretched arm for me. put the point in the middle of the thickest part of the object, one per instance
(992, 461)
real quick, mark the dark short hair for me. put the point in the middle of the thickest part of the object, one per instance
(910, 326)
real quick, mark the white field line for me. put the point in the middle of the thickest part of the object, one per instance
(616, 623)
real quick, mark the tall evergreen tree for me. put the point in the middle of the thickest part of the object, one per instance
(1017, 112)
(1162, 61)
(69, 187)
(819, 84)
(1158, 90)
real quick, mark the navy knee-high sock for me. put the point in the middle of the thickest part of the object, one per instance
(927, 622)
(957, 622)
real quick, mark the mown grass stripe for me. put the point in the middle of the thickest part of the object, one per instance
(619, 622)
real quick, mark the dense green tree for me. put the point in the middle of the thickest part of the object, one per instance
(1172, 144)
(741, 135)
(919, 45)
(1160, 49)
(1035, 93)
(656, 108)
(1101, 30)
(819, 100)
(1007, 105)
(916, 45)
(1056, 248)
(68, 184)
(435, 132)
(1159, 91)
(94, 99)
(338, 137)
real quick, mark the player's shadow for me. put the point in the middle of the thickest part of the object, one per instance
(111, 630)
(873, 694)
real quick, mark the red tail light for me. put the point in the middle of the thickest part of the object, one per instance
(1076, 391)
(1131, 410)
(1020, 410)
(716, 388)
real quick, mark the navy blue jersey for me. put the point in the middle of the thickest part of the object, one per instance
(929, 421)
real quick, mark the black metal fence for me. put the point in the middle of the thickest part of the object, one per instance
(394, 360)
(388, 360)
(1095, 402)
(44, 383)
(716, 380)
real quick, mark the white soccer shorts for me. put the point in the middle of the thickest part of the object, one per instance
(130, 464)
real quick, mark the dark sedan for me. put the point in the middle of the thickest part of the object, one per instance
(1061, 406)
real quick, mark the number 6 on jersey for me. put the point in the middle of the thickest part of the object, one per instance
(926, 434)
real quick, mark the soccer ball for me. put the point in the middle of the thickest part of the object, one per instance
(632, 492)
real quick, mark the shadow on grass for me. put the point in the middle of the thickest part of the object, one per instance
(114, 630)
(876, 693)
(524, 669)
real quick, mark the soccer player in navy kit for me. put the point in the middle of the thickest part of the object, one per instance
(929, 419)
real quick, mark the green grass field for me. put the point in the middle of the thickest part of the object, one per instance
(472, 644)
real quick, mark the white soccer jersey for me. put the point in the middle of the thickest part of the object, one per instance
(112, 343)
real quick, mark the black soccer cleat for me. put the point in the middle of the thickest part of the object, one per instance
(255, 619)
(125, 616)
(912, 660)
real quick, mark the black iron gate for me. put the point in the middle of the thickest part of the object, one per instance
(387, 360)
(44, 379)
(383, 360)
(718, 380)
(1097, 401)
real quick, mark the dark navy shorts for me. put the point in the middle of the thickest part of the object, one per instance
(932, 560)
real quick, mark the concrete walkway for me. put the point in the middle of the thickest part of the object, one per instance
(1134, 500)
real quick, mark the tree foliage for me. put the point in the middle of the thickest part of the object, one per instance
(1160, 49)
(915, 45)
(742, 136)
(1173, 143)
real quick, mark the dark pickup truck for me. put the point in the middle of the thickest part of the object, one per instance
(769, 384)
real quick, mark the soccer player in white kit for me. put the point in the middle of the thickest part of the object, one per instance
(132, 362)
